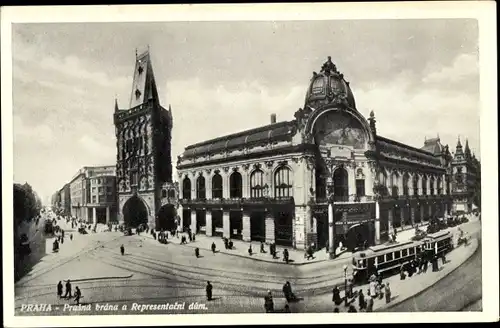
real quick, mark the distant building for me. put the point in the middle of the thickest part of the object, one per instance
(90, 195)
(273, 183)
(146, 192)
(465, 175)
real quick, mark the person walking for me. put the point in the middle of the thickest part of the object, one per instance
(287, 309)
(286, 256)
(197, 252)
(208, 289)
(336, 296)
(352, 309)
(59, 289)
(387, 293)
(78, 295)
(369, 306)
(262, 250)
(71, 237)
(250, 250)
(68, 289)
(361, 302)
(268, 302)
(213, 247)
(122, 249)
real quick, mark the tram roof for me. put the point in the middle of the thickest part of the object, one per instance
(382, 249)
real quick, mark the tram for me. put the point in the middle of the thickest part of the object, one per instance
(385, 259)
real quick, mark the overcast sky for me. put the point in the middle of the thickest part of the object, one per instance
(421, 78)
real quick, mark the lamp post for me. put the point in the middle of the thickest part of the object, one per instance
(331, 222)
(345, 284)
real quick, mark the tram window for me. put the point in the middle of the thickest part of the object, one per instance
(389, 256)
(397, 255)
(404, 252)
(411, 250)
(364, 263)
(380, 259)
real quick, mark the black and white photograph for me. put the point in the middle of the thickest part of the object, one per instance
(166, 160)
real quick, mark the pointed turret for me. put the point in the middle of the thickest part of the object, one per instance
(467, 150)
(373, 122)
(144, 84)
(459, 153)
(116, 105)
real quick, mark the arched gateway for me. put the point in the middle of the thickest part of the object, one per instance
(135, 212)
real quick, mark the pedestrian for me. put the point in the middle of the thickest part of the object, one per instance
(226, 242)
(387, 293)
(190, 236)
(59, 289)
(250, 250)
(230, 244)
(78, 295)
(286, 256)
(309, 253)
(350, 286)
(209, 291)
(262, 250)
(62, 240)
(68, 289)
(369, 306)
(402, 275)
(268, 302)
(287, 309)
(336, 296)
(71, 237)
(352, 309)
(336, 310)
(213, 247)
(197, 252)
(154, 235)
(361, 300)
(122, 249)
(194, 236)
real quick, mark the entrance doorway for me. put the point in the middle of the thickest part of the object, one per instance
(201, 222)
(165, 219)
(217, 223)
(341, 184)
(283, 228)
(100, 213)
(322, 229)
(186, 219)
(358, 234)
(236, 224)
(135, 212)
(257, 226)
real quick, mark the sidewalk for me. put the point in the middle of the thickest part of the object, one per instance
(240, 249)
(401, 290)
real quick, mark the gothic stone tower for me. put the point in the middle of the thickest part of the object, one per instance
(143, 140)
(463, 179)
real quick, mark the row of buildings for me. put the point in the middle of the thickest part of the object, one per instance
(90, 195)
(274, 183)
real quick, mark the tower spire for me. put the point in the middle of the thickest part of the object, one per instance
(144, 84)
(116, 104)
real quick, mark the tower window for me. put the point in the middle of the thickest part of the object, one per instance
(140, 69)
(137, 93)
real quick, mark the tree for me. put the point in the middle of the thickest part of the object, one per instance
(27, 203)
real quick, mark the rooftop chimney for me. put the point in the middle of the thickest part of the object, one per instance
(273, 118)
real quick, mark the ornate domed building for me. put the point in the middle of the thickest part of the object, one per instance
(274, 183)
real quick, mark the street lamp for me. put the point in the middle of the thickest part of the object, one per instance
(331, 223)
(345, 283)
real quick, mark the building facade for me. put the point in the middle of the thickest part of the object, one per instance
(78, 192)
(101, 197)
(90, 195)
(274, 183)
(65, 200)
(144, 164)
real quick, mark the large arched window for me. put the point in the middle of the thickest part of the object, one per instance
(186, 188)
(257, 184)
(235, 185)
(394, 184)
(383, 178)
(283, 182)
(217, 186)
(431, 185)
(415, 184)
(424, 185)
(439, 186)
(341, 184)
(360, 183)
(406, 179)
(200, 188)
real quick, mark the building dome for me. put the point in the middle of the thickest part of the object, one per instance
(329, 86)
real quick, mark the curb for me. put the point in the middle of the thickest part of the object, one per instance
(258, 259)
(102, 278)
(399, 301)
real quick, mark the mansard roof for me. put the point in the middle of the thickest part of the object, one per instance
(433, 146)
(281, 131)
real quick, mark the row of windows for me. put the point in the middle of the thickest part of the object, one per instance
(102, 181)
(109, 189)
(258, 188)
(106, 199)
(395, 190)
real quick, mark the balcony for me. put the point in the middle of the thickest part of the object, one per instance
(237, 202)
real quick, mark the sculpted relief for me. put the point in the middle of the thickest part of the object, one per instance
(338, 128)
